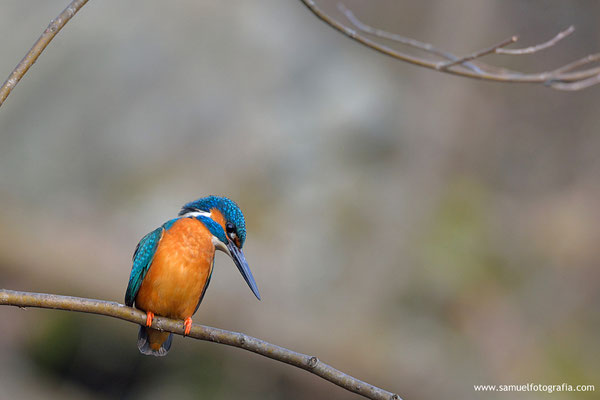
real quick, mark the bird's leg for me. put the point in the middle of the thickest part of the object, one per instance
(149, 318)
(188, 326)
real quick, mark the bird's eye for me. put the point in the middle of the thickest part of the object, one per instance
(230, 228)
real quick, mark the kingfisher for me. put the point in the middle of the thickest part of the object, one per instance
(173, 264)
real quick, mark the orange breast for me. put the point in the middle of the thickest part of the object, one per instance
(179, 272)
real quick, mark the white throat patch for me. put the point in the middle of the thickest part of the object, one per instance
(220, 246)
(198, 213)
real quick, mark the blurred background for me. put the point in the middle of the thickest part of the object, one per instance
(420, 231)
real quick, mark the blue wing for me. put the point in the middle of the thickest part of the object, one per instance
(142, 258)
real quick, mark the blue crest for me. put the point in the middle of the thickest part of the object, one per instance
(227, 207)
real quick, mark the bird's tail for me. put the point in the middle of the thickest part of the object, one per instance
(154, 343)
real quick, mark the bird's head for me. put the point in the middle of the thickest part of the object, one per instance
(226, 222)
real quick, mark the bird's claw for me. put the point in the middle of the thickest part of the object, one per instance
(149, 318)
(188, 326)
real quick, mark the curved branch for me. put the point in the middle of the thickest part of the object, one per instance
(111, 309)
(542, 46)
(559, 78)
(30, 58)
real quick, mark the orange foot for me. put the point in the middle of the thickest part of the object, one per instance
(188, 326)
(149, 318)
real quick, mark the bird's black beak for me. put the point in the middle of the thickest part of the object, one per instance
(240, 261)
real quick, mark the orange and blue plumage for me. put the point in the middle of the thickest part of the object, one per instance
(172, 265)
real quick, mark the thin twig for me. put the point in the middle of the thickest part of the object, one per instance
(578, 63)
(578, 85)
(417, 44)
(479, 53)
(534, 49)
(309, 363)
(557, 78)
(30, 58)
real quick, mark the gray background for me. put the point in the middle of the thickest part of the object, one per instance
(421, 231)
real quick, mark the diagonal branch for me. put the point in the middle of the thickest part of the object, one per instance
(111, 309)
(479, 53)
(468, 66)
(30, 58)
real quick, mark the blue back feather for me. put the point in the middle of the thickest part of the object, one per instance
(142, 258)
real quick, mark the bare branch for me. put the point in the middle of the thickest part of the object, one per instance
(30, 58)
(578, 63)
(111, 309)
(428, 47)
(541, 46)
(577, 85)
(561, 78)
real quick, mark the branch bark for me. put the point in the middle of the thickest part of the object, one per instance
(111, 309)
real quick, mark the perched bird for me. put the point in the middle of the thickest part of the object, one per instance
(172, 265)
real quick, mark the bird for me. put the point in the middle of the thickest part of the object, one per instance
(173, 264)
